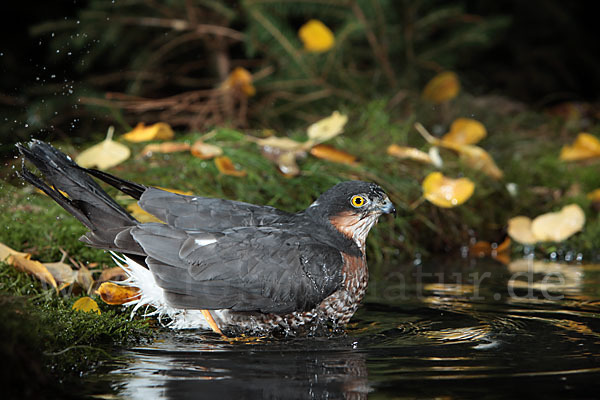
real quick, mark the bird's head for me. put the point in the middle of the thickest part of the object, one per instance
(352, 208)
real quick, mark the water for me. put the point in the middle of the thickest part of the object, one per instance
(466, 329)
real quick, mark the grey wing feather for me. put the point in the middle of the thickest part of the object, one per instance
(243, 269)
(202, 213)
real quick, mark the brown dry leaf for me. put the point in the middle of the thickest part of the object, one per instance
(465, 131)
(411, 153)
(140, 214)
(6, 251)
(442, 87)
(32, 267)
(84, 279)
(327, 128)
(558, 226)
(584, 147)
(226, 167)
(205, 151)
(499, 252)
(114, 294)
(519, 228)
(86, 304)
(112, 274)
(240, 79)
(105, 154)
(166, 147)
(143, 133)
(316, 36)
(330, 153)
(446, 192)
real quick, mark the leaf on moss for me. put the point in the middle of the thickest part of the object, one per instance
(316, 36)
(62, 273)
(32, 267)
(143, 133)
(114, 294)
(549, 227)
(281, 143)
(112, 274)
(327, 128)
(332, 154)
(240, 79)
(226, 167)
(165, 147)
(465, 131)
(84, 279)
(410, 153)
(447, 192)
(86, 304)
(105, 154)
(584, 147)
(442, 87)
(205, 151)
(6, 251)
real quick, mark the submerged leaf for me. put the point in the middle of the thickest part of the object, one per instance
(143, 133)
(86, 304)
(226, 167)
(104, 155)
(327, 128)
(442, 87)
(114, 294)
(240, 79)
(585, 146)
(316, 36)
(205, 151)
(330, 153)
(411, 153)
(465, 131)
(446, 192)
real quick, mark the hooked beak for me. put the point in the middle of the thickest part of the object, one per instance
(387, 207)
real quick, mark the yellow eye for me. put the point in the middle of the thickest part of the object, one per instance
(358, 201)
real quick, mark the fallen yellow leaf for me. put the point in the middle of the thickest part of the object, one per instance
(411, 153)
(442, 87)
(327, 128)
(465, 131)
(86, 304)
(594, 195)
(105, 154)
(472, 155)
(585, 146)
(226, 167)
(143, 133)
(282, 143)
(32, 267)
(140, 214)
(6, 251)
(316, 36)
(519, 228)
(549, 227)
(330, 153)
(240, 79)
(447, 192)
(61, 272)
(205, 151)
(166, 147)
(286, 162)
(558, 226)
(114, 294)
(177, 191)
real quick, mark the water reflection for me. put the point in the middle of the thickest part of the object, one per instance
(482, 330)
